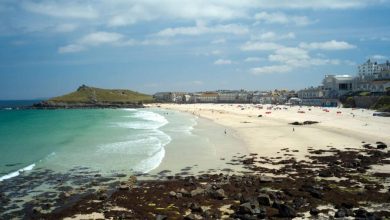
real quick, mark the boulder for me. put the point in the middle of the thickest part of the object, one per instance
(193, 217)
(197, 191)
(184, 192)
(123, 187)
(246, 208)
(381, 145)
(172, 194)
(217, 194)
(314, 211)
(286, 211)
(265, 179)
(264, 200)
(340, 214)
(195, 207)
(325, 173)
(161, 217)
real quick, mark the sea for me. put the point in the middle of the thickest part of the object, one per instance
(42, 151)
(108, 140)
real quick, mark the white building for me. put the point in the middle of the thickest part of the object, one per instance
(207, 97)
(369, 68)
(311, 93)
(227, 97)
(337, 85)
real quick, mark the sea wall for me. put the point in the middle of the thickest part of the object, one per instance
(365, 101)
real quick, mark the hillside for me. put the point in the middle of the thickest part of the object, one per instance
(86, 96)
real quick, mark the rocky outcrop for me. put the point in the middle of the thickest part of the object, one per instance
(83, 105)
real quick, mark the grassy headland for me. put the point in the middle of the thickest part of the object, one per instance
(86, 96)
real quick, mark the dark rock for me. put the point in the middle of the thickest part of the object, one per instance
(314, 192)
(237, 196)
(124, 187)
(286, 211)
(246, 208)
(217, 194)
(161, 217)
(381, 145)
(197, 191)
(179, 195)
(266, 179)
(264, 200)
(172, 194)
(298, 202)
(184, 192)
(37, 210)
(314, 211)
(193, 217)
(340, 213)
(360, 213)
(325, 173)
(195, 207)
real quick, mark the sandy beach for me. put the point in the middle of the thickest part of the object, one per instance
(266, 135)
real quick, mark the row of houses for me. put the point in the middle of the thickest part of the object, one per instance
(371, 77)
(227, 96)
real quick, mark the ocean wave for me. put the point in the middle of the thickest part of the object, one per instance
(146, 120)
(129, 109)
(145, 146)
(151, 163)
(17, 173)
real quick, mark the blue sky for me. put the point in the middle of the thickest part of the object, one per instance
(50, 47)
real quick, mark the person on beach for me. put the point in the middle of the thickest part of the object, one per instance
(225, 131)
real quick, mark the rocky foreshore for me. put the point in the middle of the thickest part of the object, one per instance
(330, 183)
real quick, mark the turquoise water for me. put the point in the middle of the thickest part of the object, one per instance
(107, 140)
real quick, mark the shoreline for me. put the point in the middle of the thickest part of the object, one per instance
(272, 132)
(203, 149)
(304, 177)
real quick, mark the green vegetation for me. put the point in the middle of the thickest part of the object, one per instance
(349, 103)
(85, 94)
(383, 104)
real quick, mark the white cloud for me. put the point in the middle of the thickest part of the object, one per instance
(65, 28)
(289, 55)
(319, 4)
(260, 46)
(219, 41)
(272, 36)
(253, 59)
(328, 45)
(270, 69)
(98, 38)
(223, 62)
(290, 58)
(379, 57)
(201, 28)
(108, 38)
(71, 48)
(64, 9)
(281, 18)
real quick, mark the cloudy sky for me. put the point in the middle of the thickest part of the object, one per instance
(49, 47)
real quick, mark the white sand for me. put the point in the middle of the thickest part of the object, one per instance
(270, 133)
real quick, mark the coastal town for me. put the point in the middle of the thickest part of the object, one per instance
(371, 80)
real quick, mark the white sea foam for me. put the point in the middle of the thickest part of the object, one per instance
(151, 163)
(146, 120)
(17, 173)
(148, 144)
